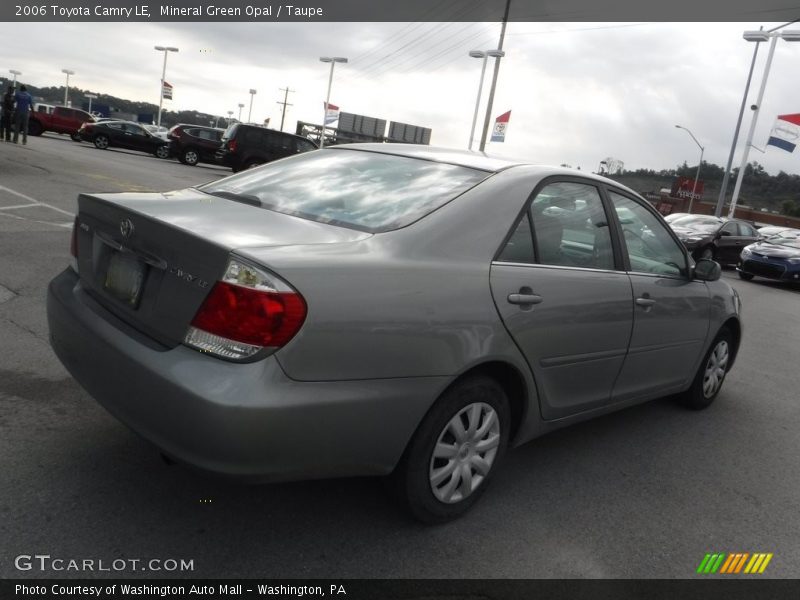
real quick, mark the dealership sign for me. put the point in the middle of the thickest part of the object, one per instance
(683, 187)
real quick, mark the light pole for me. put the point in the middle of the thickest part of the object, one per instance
(485, 56)
(166, 50)
(230, 115)
(697, 175)
(489, 103)
(241, 106)
(250, 112)
(14, 72)
(67, 72)
(758, 36)
(90, 97)
(333, 60)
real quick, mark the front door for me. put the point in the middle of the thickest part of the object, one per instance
(670, 312)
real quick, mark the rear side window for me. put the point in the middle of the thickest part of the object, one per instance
(367, 191)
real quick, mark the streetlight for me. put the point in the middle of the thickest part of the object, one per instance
(241, 106)
(166, 50)
(66, 88)
(250, 112)
(758, 36)
(485, 56)
(333, 60)
(14, 72)
(230, 115)
(697, 175)
(90, 97)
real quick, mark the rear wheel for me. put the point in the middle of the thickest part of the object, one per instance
(76, 137)
(250, 164)
(35, 128)
(101, 141)
(711, 374)
(162, 151)
(745, 276)
(707, 253)
(455, 451)
(190, 157)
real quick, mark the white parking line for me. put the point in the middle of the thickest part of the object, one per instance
(34, 201)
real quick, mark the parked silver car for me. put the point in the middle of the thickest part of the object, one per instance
(384, 309)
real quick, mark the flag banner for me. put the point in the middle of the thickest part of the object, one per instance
(331, 113)
(500, 127)
(785, 132)
(166, 90)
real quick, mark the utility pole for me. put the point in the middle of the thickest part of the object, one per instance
(284, 104)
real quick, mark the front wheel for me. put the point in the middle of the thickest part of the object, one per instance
(455, 451)
(76, 137)
(745, 276)
(711, 374)
(707, 253)
(190, 157)
(162, 151)
(101, 141)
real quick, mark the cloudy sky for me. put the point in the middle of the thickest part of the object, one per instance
(578, 92)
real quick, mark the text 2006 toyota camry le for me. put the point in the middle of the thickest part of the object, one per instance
(377, 309)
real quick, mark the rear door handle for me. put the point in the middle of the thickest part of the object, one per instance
(646, 302)
(524, 299)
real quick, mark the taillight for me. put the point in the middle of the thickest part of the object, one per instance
(73, 246)
(232, 145)
(248, 311)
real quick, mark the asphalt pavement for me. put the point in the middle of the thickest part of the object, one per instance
(645, 492)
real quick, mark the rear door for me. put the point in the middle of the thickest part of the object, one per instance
(729, 244)
(670, 311)
(562, 298)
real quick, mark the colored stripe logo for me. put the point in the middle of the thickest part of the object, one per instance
(734, 563)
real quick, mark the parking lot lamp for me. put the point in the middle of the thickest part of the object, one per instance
(697, 175)
(250, 112)
(14, 72)
(166, 50)
(90, 97)
(333, 60)
(241, 106)
(758, 36)
(485, 56)
(230, 116)
(66, 87)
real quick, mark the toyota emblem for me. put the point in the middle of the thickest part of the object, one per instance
(126, 228)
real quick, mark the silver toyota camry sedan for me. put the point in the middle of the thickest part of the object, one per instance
(384, 309)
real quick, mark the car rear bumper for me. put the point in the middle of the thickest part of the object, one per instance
(245, 420)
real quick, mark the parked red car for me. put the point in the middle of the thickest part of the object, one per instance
(61, 120)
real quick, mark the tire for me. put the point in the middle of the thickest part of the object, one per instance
(434, 488)
(250, 164)
(35, 128)
(100, 141)
(745, 276)
(76, 137)
(190, 157)
(162, 151)
(708, 252)
(711, 373)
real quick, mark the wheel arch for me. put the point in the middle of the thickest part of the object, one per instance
(735, 327)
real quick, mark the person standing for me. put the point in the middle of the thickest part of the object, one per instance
(24, 109)
(7, 109)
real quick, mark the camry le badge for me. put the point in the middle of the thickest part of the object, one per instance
(126, 228)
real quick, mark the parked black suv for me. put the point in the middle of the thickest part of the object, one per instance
(193, 143)
(245, 146)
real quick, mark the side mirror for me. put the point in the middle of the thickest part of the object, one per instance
(707, 270)
(724, 233)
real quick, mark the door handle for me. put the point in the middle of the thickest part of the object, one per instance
(524, 299)
(646, 302)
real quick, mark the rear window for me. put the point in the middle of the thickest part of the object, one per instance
(367, 191)
(230, 131)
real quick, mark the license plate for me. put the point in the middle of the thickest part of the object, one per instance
(124, 277)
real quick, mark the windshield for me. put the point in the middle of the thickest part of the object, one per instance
(368, 191)
(791, 241)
